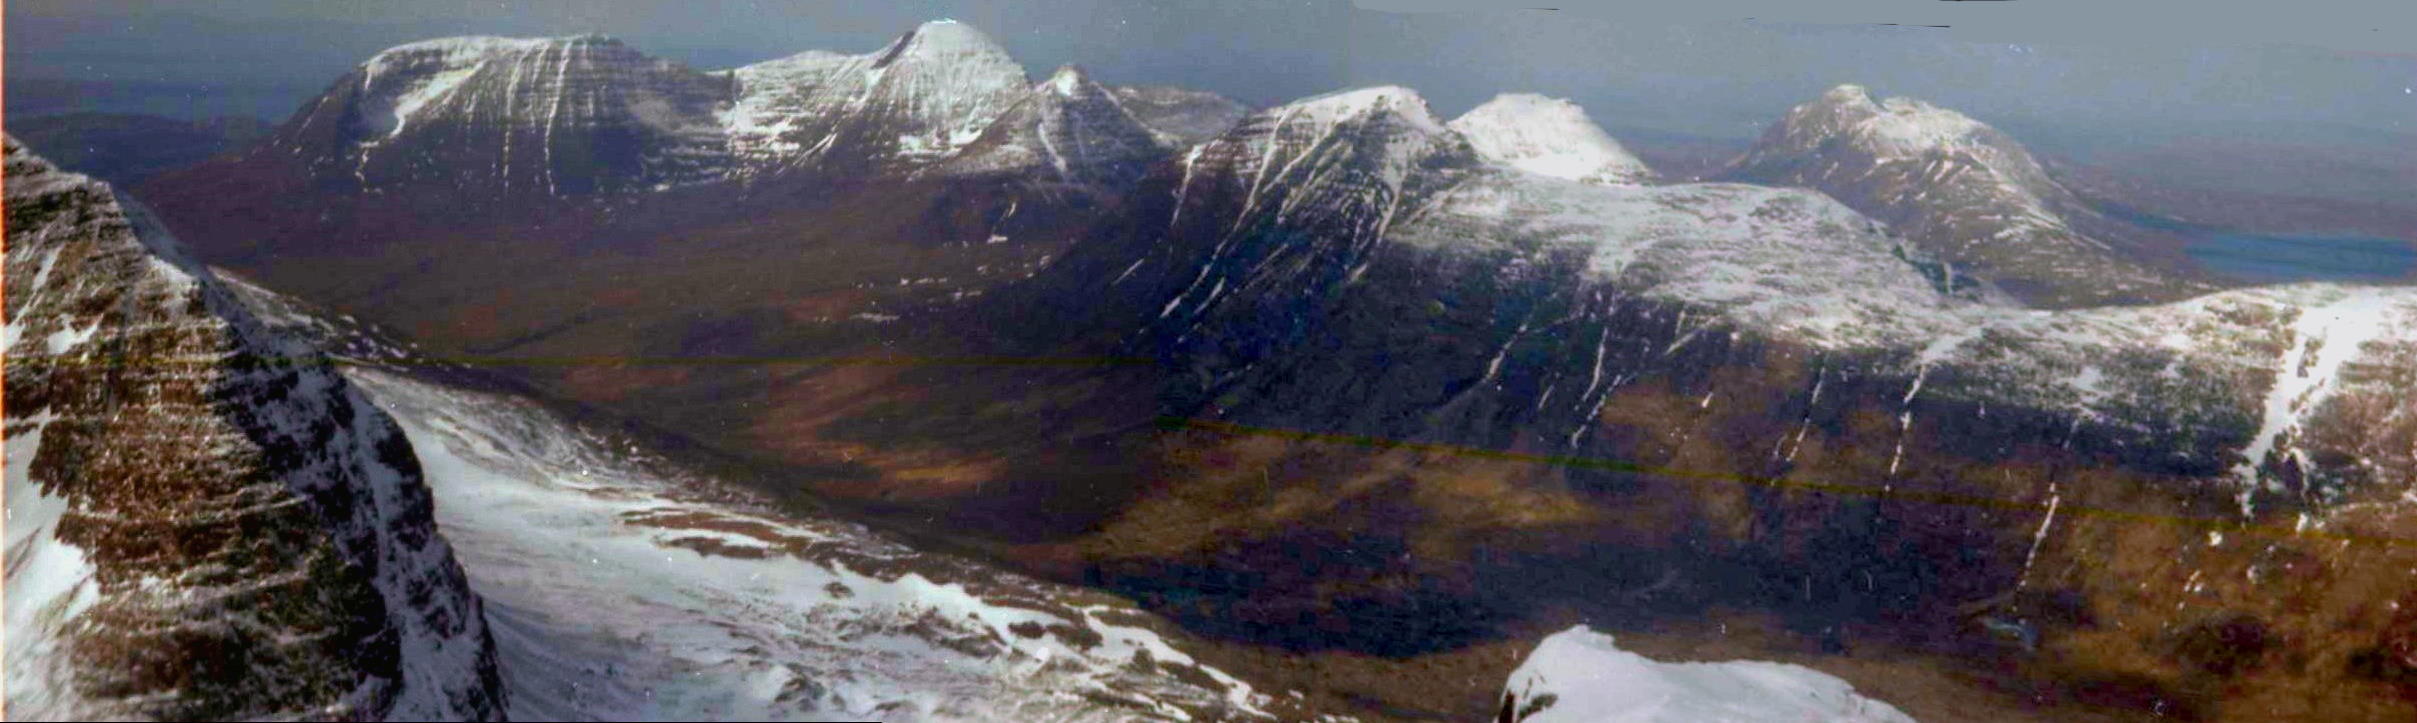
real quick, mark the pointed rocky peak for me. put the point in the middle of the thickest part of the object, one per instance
(1068, 127)
(1548, 137)
(1349, 159)
(944, 41)
(175, 466)
(917, 100)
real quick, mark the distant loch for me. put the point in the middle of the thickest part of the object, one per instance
(2283, 257)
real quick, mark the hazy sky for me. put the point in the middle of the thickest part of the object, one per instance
(1726, 79)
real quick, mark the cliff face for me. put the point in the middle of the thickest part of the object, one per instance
(204, 520)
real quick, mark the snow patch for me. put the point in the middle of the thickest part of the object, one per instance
(1580, 676)
(2324, 336)
(49, 584)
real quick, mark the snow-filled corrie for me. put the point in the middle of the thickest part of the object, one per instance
(620, 592)
(1580, 676)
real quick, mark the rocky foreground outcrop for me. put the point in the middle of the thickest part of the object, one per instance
(204, 520)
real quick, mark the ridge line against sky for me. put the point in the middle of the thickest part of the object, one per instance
(1724, 79)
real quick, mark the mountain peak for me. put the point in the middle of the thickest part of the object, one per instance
(1848, 93)
(1358, 102)
(1896, 127)
(1067, 79)
(1962, 191)
(942, 40)
(1549, 137)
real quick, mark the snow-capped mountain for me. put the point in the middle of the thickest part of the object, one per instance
(1548, 136)
(1285, 235)
(582, 115)
(1963, 191)
(1068, 128)
(718, 607)
(1180, 116)
(205, 521)
(1582, 676)
(930, 92)
(571, 115)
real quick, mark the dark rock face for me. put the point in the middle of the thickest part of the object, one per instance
(206, 521)
(557, 115)
(1963, 191)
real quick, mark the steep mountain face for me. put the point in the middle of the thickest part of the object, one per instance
(1068, 128)
(205, 520)
(929, 93)
(1964, 192)
(559, 116)
(1550, 137)
(586, 115)
(1180, 116)
(1582, 676)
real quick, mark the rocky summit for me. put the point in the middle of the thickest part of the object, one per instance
(205, 521)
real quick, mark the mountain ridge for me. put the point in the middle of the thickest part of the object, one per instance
(187, 487)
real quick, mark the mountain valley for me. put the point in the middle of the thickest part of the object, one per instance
(1064, 400)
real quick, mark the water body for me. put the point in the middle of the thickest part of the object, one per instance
(2270, 257)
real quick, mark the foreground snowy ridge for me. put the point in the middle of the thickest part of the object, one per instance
(1580, 676)
(622, 588)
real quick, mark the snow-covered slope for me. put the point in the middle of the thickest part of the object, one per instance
(188, 489)
(1783, 261)
(623, 588)
(1068, 128)
(1963, 191)
(563, 115)
(927, 94)
(1550, 137)
(1341, 159)
(1580, 676)
(2218, 381)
